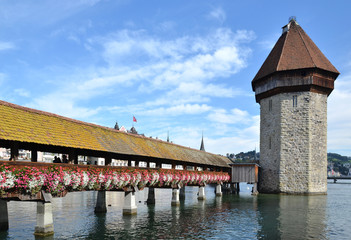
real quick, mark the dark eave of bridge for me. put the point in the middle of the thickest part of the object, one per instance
(42, 131)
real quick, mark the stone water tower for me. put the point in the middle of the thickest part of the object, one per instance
(292, 87)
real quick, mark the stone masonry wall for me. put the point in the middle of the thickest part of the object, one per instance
(318, 135)
(297, 159)
(269, 145)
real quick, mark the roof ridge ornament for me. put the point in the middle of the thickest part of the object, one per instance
(292, 18)
(287, 26)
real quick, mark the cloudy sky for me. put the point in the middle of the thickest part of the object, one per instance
(183, 67)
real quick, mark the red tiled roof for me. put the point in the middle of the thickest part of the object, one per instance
(28, 125)
(294, 50)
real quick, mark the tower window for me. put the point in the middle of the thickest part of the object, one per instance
(270, 105)
(295, 101)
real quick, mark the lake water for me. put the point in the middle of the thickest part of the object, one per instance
(229, 217)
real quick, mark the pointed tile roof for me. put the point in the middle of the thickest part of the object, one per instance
(294, 50)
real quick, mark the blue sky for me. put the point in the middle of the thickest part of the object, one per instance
(179, 66)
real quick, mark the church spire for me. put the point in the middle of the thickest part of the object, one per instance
(116, 126)
(202, 147)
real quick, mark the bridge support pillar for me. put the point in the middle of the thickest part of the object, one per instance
(201, 194)
(235, 188)
(45, 223)
(219, 190)
(130, 207)
(4, 217)
(101, 202)
(175, 197)
(182, 193)
(254, 189)
(151, 199)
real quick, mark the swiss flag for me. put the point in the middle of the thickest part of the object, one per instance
(134, 119)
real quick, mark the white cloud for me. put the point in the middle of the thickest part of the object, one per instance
(166, 26)
(193, 88)
(180, 66)
(232, 144)
(339, 115)
(182, 76)
(233, 116)
(177, 110)
(220, 140)
(41, 12)
(55, 103)
(6, 46)
(269, 42)
(138, 43)
(218, 14)
(3, 77)
(186, 59)
(22, 92)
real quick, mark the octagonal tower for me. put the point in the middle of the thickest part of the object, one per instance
(292, 87)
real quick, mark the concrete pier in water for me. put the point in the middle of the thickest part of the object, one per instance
(182, 193)
(4, 217)
(219, 190)
(202, 195)
(175, 197)
(130, 207)
(151, 196)
(45, 223)
(101, 202)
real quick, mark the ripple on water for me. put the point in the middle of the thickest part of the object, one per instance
(228, 217)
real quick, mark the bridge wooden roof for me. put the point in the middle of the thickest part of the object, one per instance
(28, 125)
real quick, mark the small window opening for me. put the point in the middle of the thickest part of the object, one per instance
(295, 101)
(270, 105)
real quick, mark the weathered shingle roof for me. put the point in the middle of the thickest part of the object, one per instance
(294, 50)
(22, 124)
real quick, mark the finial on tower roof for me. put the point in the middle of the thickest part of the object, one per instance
(292, 18)
(287, 26)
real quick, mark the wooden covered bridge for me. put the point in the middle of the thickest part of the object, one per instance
(34, 130)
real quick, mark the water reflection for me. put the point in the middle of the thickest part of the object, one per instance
(292, 217)
(228, 217)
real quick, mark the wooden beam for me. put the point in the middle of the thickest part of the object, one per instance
(108, 161)
(158, 164)
(14, 151)
(72, 156)
(34, 155)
